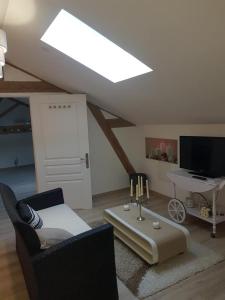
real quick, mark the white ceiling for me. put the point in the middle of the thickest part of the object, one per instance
(182, 40)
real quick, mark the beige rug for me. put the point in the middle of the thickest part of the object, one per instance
(144, 280)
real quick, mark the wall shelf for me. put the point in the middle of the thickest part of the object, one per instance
(16, 128)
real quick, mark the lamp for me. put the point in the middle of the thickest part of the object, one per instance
(3, 40)
(1, 72)
(2, 57)
(3, 50)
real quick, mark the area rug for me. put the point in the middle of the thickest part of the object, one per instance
(144, 280)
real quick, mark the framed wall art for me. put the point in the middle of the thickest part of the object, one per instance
(161, 149)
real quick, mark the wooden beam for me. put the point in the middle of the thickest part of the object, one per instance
(114, 123)
(118, 123)
(18, 101)
(28, 87)
(23, 70)
(8, 110)
(96, 111)
(35, 76)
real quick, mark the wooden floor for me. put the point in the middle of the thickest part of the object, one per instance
(207, 285)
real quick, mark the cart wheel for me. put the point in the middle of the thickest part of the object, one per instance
(213, 235)
(176, 210)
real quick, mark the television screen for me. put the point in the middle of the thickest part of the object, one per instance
(203, 155)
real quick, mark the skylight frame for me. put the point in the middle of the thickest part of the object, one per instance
(79, 41)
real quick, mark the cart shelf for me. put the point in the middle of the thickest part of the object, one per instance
(186, 181)
(196, 213)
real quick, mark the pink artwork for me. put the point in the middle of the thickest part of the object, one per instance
(161, 149)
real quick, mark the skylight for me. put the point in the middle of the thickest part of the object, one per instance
(85, 45)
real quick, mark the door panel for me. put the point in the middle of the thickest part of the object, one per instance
(60, 137)
(66, 169)
(66, 117)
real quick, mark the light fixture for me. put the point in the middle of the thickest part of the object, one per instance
(3, 40)
(85, 45)
(2, 57)
(3, 50)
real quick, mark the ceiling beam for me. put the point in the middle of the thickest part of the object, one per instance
(43, 86)
(28, 87)
(8, 110)
(32, 75)
(18, 101)
(118, 123)
(96, 111)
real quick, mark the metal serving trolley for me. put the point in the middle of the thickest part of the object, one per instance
(178, 210)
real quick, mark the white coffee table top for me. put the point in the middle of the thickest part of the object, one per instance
(169, 238)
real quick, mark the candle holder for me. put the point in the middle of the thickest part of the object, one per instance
(140, 218)
(132, 199)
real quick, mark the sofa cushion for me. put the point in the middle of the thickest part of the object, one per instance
(29, 215)
(52, 236)
(62, 216)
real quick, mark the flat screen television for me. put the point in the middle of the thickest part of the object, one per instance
(204, 156)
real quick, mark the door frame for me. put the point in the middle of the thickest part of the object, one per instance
(28, 95)
(77, 112)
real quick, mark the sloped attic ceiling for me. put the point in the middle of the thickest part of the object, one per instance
(182, 40)
(3, 9)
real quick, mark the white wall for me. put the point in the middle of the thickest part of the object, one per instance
(157, 170)
(107, 172)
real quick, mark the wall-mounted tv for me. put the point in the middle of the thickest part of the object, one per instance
(204, 156)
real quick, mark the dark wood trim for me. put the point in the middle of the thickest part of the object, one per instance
(35, 76)
(44, 86)
(8, 110)
(117, 118)
(40, 86)
(96, 111)
(23, 70)
(118, 123)
(28, 87)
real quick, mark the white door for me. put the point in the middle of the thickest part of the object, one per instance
(61, 148)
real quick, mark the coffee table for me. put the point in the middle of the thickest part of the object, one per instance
(153, 245)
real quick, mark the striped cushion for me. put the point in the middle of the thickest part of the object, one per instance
(29, 215)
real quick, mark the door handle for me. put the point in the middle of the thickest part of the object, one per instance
(86, 159)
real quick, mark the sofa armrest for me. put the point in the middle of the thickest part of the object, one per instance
(82, 267)
(46, 199)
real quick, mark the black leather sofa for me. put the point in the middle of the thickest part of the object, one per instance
(79, 268)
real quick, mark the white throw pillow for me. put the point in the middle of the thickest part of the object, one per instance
(52, 236)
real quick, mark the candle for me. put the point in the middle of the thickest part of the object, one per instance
(126, 207)
(136, 191)
(139, 187)
(147, 189)
(131, 188)
(156, 225)
(142, 186)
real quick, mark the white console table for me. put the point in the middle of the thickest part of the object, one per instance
(184, 180)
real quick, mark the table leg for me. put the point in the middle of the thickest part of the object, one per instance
(213, 234)
(174, 191)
